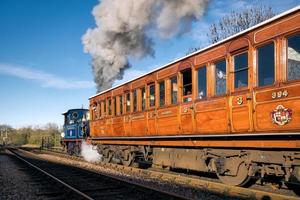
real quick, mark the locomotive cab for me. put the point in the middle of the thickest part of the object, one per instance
(76, 128)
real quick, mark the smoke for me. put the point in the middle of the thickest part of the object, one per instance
(126, 28)
(89, 154)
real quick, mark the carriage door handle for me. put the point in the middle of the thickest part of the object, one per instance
(248, 98)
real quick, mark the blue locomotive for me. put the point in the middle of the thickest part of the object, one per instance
(75, 129)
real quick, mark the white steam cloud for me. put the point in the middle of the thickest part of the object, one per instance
(89, 154)
(123, 31)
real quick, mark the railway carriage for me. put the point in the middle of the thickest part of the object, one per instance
(232, 108)
(75, 129)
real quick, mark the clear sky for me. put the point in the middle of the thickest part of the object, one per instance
(43, 69)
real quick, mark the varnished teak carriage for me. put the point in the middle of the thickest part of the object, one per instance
(232, 108)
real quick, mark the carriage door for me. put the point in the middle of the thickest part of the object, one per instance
(186, 108)
(241, 98)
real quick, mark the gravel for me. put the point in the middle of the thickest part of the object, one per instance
(156, 182)
(15, 181)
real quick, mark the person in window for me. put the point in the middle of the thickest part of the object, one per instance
(188, 99)
(201, 94)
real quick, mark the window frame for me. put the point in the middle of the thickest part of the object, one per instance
(159, 99)
(145, 100)
(114, 106)
(232, 55)
(197, 79)
(120, 105)
(109, 106)
(182, 86)
(126, 106)
(214, 85)
(149, 99)
(257, 64)
(297, 32)
(171, 89)
(135, 100)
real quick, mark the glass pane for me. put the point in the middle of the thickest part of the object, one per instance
(220, 77)
(241, 70)
(152, 95)
(104, 108)
(294, 57)
(99, 110)
(187, 82)
(121, 104)
(114, 106)
(128, 102)
(174, 90)
(143, 98)
(134, 100)
(161, 93)
(109, 106)
(266, 65)
(201, 82)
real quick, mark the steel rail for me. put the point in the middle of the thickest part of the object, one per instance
(216, 187)
(119, 179)
(51, 176)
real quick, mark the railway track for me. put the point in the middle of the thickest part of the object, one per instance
(255, 192)
(76, 183)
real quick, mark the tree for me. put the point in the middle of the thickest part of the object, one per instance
(237, 21)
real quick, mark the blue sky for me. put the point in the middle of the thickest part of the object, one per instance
(43, 69)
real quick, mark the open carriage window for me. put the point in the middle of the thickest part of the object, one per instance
(143, 91)
(240, 70)
(128, 102)
(103, 104)
(152, 95)
(266, 64)
(220, 74)
(293, 52)
(174, 90)
(202, 82)
(187, 85)
(162, 93)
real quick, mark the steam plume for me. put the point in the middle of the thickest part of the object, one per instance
(89, 154)
(125, 28)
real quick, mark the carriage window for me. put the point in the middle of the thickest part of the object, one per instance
(174, 90)
(294, 57)
(162, 93)
(187, 85)
(121, 104)
(127, 102)
(202, 82)
(104, 108)
(114, 106)
(266, 65)
(99, 109)
(241, 70)
(109, 107)
(143, 90)
(134, 100)
(94, 108)
(220, 86)
(152, 95)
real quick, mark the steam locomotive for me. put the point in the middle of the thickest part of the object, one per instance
(75, 129)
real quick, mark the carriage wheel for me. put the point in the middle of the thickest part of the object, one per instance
(128, 157)
(107, 156)
(241, 178)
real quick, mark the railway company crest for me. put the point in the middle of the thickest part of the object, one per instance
(281, 115)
